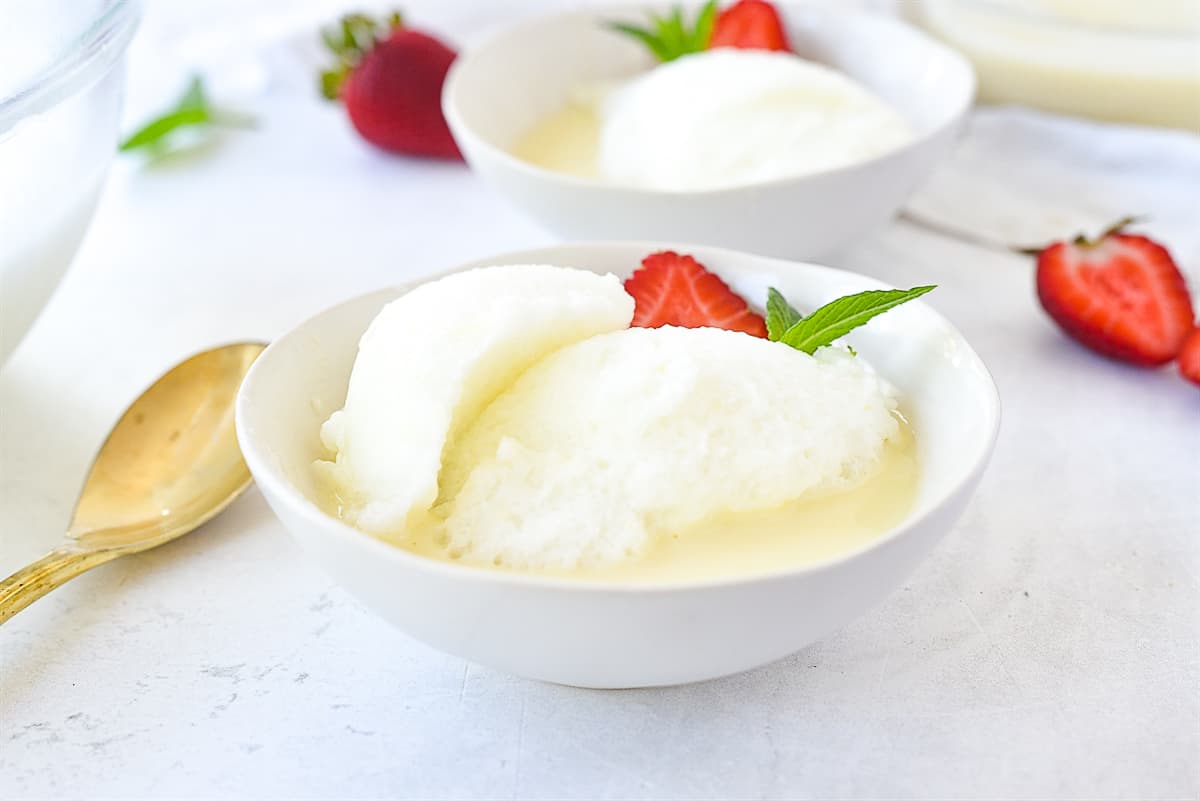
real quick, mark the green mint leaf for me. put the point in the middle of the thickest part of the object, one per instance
(669, 37)
(647, 37)
(838, 318)
(680, 35)
(232, 119)
(154, 133)
(195, 97)
(192, 111)
(705, 22)
(780, 315)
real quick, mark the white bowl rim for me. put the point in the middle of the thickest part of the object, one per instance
(454, 117)
(328, 524)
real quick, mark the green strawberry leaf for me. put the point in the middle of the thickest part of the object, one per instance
(836, 318)
(780, 315)
(192, 111)
(349, 39)
(669, 37)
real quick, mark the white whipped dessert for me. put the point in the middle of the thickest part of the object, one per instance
(645, 432)
(728, 117)
(433, 359)
(507, 416)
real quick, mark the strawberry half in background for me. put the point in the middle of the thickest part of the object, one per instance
(751, 24)
(1120, 295)
(390, 78)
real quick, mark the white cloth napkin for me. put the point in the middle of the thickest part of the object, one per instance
(1025, 177)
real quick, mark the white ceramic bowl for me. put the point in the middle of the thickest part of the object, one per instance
(596, 634)
(60, 102)
(500, 88)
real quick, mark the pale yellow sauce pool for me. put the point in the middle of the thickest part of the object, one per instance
(750, 543)
(567, 141)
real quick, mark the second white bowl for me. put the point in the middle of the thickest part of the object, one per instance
(499, 89)
(600, 634)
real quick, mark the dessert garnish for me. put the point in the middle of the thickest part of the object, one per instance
(674, 289)
(833, 320)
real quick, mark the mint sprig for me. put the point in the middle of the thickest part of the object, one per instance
(669, 36)
(833, 320)
(193, 112)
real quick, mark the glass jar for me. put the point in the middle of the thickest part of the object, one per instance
(60, 100)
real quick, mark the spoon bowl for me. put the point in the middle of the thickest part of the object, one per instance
(170, 464)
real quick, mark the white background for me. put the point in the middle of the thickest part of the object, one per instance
(1047, 649)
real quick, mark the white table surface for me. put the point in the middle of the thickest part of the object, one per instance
(1049, 647)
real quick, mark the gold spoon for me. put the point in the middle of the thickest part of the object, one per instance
(170, 463)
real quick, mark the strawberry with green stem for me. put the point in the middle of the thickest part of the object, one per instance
(389, 78)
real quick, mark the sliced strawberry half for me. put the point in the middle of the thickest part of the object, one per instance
(1189, 357)
(1120, 295)
(674, 289)
(750, 24)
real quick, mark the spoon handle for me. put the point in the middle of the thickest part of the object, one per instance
(50, 572)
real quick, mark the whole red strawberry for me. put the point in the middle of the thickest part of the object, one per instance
(390, 79)
(672, 289)
(1189, 357)
(1120, 295)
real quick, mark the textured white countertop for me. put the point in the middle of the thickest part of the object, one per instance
(1049, 648)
